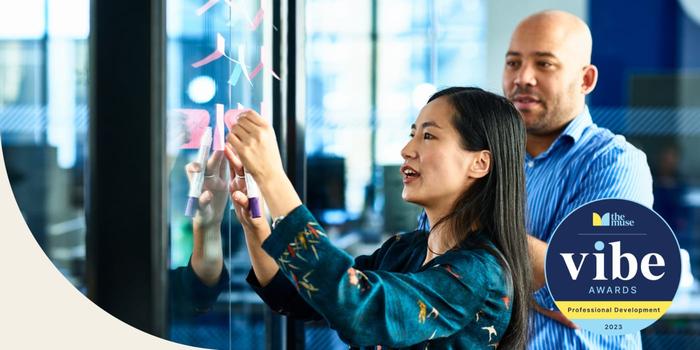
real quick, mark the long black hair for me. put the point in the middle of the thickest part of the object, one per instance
(494, 203)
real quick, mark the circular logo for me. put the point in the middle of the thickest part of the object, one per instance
(613, 266)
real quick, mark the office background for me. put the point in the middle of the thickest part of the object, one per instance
(98, 100)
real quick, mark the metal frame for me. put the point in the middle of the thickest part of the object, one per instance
(288, 119)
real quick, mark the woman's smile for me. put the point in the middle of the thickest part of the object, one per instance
(409, 174)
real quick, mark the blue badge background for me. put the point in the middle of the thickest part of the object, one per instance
(659, 238)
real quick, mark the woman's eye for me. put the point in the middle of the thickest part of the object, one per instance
(428, 136)
(411, 135)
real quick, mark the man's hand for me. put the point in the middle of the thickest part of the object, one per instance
(538, 251)
(557, 316)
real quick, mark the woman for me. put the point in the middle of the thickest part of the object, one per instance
(462, 285)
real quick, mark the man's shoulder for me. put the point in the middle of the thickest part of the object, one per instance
(597, 142)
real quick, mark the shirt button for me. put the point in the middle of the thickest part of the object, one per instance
(530, 164)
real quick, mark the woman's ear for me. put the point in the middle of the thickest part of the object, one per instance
(481, 165)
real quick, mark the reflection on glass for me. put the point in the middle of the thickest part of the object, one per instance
(44, 122)
(217, 66)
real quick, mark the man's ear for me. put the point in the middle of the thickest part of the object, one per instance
(590, 79)
(481, 165)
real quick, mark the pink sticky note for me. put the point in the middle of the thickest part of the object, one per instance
(262, 65)
(258, 18)
(257, 70)
(231, 117)
(196, 122)
(206, 7)
(219, 130)
(220, 48)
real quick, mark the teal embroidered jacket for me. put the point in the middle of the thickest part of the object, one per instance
(387, 300)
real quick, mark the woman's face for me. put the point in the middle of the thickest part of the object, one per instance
(436, 169)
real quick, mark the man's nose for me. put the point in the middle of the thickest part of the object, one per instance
(525, 76)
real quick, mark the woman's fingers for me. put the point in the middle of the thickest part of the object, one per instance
(191, 169)
(248, 125)
(234, 162)
(213, 163)
(239, 139)
(244, 124)
(222, 167)
(240, 199)
(253, 117)
(205, 198)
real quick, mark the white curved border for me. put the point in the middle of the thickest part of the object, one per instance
(39, 308)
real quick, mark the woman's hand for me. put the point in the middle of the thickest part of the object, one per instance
(256, 228)
(256, 146)
(212, 201)
(207, 252)
(253, 139)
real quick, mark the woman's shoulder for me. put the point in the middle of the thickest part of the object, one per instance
(407, 237)
(479, 263)
(480, 258)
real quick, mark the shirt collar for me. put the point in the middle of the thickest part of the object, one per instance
(575, 128)
(572, 132)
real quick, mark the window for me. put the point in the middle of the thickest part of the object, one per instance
(44, 122)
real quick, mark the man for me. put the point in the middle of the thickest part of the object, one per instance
(570, 161)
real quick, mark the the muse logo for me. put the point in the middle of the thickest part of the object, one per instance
(611, 219)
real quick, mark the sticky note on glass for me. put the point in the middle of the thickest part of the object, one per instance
(258, 18)
(195, 123)
(206, 7)
(219, 130)
(218, 53)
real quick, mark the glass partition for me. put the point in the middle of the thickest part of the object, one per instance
(217, 65)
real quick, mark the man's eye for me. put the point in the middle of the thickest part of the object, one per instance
(545, 64)
(512, 64)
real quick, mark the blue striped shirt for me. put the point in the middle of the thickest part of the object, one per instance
(583, 164)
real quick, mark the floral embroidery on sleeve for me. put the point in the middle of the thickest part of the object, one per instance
(423, 312)
(303, 242)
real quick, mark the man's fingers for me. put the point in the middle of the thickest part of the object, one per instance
(557, 316)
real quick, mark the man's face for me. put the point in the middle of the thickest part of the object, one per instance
(542, 77)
